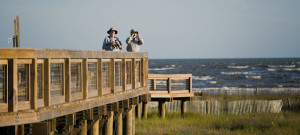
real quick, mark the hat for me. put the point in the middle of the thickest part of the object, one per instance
(112, 29)
(133, 31)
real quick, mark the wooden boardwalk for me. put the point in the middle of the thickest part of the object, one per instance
(70, 91)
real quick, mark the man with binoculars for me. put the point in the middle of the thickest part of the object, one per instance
(134, 41)
(112, 43)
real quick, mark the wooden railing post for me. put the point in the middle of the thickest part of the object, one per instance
(169, 85)
(47, 94)
(143, 72)
(85, 79)
(33, 95)
(154, 84)
(123, 74)
(112, 75)
(133, 73)
(68, 80)
(146, 71)
(99, 77)
(13, 86)
(191, 84)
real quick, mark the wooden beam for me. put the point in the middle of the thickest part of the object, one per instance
(183, 107)
(12, 86)
(145, 109)
(129, 122)
(89, 114)
(162, 109)
(139, 110)
(112, 75)
(133, 119)
(15, 34)
(169, 85)
(109, 123)
(123, 74)
(33, 95)
(84, 128)
(126, 103)
(18, 32)
(133, 73)
(116, 107)
(85, 79)
(99, 77)
(41, 128)
(143, 72)
(68, 80)
(103, 110)
(191, 84)
(47, 79)
(119, 123)
(95, 130)
(71, 119)
(146, 71)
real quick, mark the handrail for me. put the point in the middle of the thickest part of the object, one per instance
(170, 82)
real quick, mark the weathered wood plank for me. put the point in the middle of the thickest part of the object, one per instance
(47, 95)
(68, 80)
(85, 79)
(33, 95)
(12, 86)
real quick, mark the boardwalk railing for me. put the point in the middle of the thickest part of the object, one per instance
(170, 85)
(40, 84)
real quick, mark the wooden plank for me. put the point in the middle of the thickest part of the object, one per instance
(15, 33)
(126, 103)
(71, 119)
(99, 77)
(67, 108)
(133, 73)
(191, 84)
(33, 95)
(169, 85)
(18, 32)
(146, 71)
(146, 97)
(116, 107)
(47, 79)
(143, 73)
(89, 114)
(112, 75)
(84, 79)
(103, 110)
(12, 86)
(154, 84)
(62, 54)
(68, 80)
(41, 128)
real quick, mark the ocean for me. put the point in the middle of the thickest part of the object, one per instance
(241, 73)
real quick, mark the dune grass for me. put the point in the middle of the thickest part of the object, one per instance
(195, 123)
(285, 122)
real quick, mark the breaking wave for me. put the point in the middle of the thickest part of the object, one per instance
(202, 78)
(234, 73)
(238, 67)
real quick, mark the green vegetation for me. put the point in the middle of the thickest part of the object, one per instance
(285, 122)
(195, 123)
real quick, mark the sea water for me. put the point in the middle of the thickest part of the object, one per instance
(239, 73)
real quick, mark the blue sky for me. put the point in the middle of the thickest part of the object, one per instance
(170, 28)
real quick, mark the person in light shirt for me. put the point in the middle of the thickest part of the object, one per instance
(134, 41)
(111, 42)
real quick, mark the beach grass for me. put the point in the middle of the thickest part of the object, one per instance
(286, 122)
